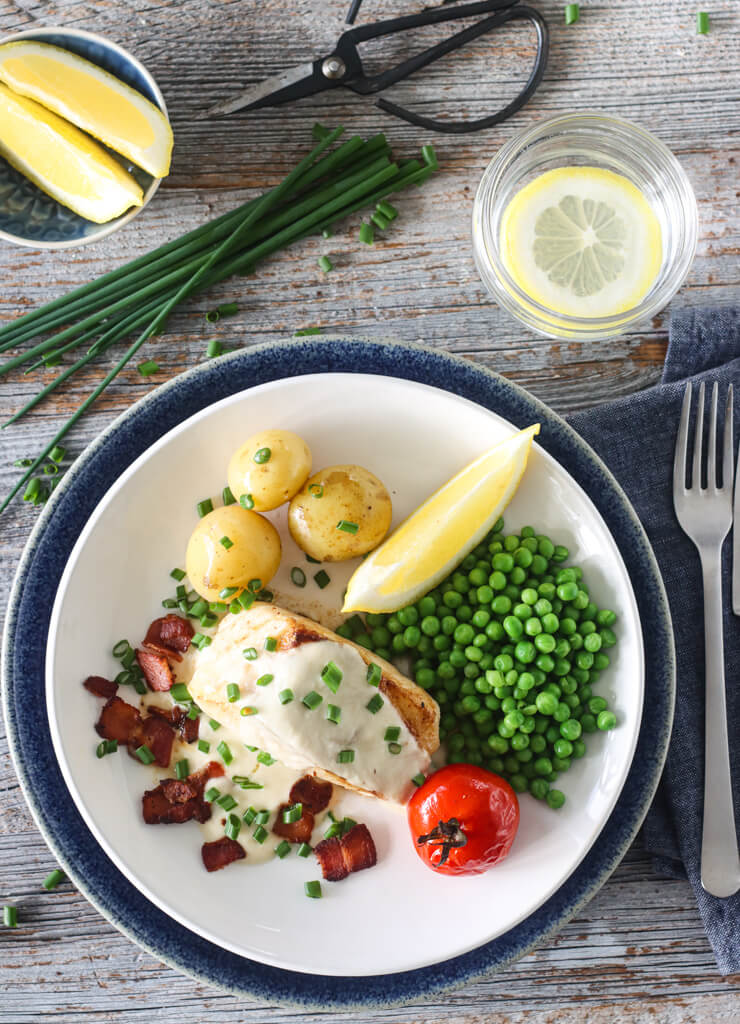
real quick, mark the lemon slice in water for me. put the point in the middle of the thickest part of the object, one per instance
(64, 162)
(582, 241)
(91, 99)
(431, 542)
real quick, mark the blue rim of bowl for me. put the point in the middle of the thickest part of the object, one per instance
(156, 97)
(32, 598)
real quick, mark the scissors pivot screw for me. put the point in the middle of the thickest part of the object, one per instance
(333, 67)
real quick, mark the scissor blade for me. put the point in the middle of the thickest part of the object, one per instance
(297, 82)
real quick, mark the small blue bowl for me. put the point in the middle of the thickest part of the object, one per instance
(27, 215)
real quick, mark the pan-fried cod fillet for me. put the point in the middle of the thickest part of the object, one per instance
(375, 749)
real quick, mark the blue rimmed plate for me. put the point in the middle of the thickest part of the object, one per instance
(54, 538)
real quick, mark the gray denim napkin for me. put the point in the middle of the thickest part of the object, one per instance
(635, 436)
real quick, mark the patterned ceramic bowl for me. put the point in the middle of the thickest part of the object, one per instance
(27, 215)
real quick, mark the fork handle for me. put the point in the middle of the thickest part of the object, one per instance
(720, 863)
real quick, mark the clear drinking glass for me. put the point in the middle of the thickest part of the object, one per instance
(590, 140)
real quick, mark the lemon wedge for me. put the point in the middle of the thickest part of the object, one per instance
(91, 99)
(431, 542)
(582, 241)
(66, 164)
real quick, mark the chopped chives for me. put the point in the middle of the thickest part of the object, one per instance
(204, 746)
(262, 817)
(312, 700)
(182, 769)
(702, 23)
(51, 469)
(367, 234)
(345, 757)
(264, 758)
(247, 710)
(144, 754)
(394, 748)
(244, 782)
(227, 592)
(347, 527)
(249, 815)
(313, 561)
(334, 830)
(148, 368)
(212, 794)
(198, 608)
(102, 749)
(306, 331)
(331, 674)
(227, 802)
(53, 879)
(429, 155)
(262, 455)
(282, 849)
(23, 462)
(265, 595)
(325, 264)
(226, 542)
(379, 220)
(178, 574)
(121, 648)
(193, 712)
(57, 453)
(233, 693)
(322, 579)
(303, 850)
(214, 724)
(326, 233)
(355, 624)
(10, 917)
(180, 694)
(312, 890)
(204, 507)
(208, 620)
(265, 680)
(181, 592)
(139, 686)
(246, 501)
(270, 643)
(255, 585)
(246, 599)
(169, 602)
(199, 641)
(374, 704)
(225, 752)
(318, 131)
(233, 826)
(285, 696)
(250, 653)
(374, 674)
(419, 780)
(387, 209)
(214, 347)
(227, 496)
(316, 491)
(260, 834)
(123, 678)
(228, 309)
(218, 607)
(392, 733)
(293, 813)
(572, 13)
(333, 713)
(298, 576)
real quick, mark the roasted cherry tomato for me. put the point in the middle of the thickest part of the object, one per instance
(463, 819)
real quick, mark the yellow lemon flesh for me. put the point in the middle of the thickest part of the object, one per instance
(91, 99)
(66, 164)
(431, 542)
(582, 241)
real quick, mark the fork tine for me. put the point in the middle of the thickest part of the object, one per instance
(698, 440)
(682, 441)
(728, 446)
(712, 446)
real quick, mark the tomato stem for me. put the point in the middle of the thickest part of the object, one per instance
(448, 835)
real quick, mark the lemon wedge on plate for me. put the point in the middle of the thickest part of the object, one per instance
(91, 99)
(582, 241)
(431, 542)
(65, 163)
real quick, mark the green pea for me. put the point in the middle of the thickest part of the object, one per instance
(492, 702)
(501, 604)
(581, 601)
(545, 547)
(408, 616)
(513, 720)
(529, 544)
(411, 636)
(597, 704)
(495, 765)
(513, 627)
(601, 661)
(480, 640)
(546, 703)
(376, 619)
(517, 575)
(425, 646)
(579, 748)
(519, 741)
(605, 617)
(497, 580)
(425, 678)
(567, 591)
(537, 743)
(457, 657)
(545, 644)
(470, 704)
(554, 797)
(511, 543)
(544, 661)
(452, 599)
(526, 680)
(561, 713)
(588, 723)
(465, 613)
(568, 626)
(504, 730)
(398, 645)
(525, 755)
(606, 720)
(566, 576)
(383, 652)
(586, 628)
(528, 724)
(550, 622)
(529, 596)
(464, 633)
(562, 648)
(472, 669)
(446, 670)
(518, 782)
(570, 729)
(484, 594)
(481, 618)
(533, 627)
(552, 734)
(562, 667)
(393, 624)
(430, 625)
(495, 631)
(498, 744)
(576, 642)
(476, 577)
(543, 766)
(512, 592)
(571, 699)
(563, 748)
(608, 638)
(584, 659)
(539, 788)
(473, 653)
(460, 583)
(523, 557)
(546, 590)
(554, 689)
(511, 677)
(427, 606)
(456, 742)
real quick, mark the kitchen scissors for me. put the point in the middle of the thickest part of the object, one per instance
(343, 66)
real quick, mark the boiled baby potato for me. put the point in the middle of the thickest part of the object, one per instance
(341, 512)
(270, 466)
(230, 547)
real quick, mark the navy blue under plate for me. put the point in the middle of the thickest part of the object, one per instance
(24, 655)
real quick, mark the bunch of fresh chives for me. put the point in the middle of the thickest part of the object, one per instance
(319, 191)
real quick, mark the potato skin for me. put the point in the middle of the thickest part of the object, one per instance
(351, 493)
(273, 482)
(254, 554)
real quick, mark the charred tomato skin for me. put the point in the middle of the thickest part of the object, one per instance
(484, 808)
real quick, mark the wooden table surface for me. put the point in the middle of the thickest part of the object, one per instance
(637, 952)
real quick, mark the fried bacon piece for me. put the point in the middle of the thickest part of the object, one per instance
(169, 636)
(178, 718)
(223, 851)
(177, 800)
(101, 687)
(123, 722)
(158, 736)
(156, 669)
(294, 831)
(353, 852)
(313, 793)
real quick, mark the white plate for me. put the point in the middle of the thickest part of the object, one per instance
(400, 915)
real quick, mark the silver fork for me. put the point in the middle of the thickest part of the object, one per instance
(705, 515)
